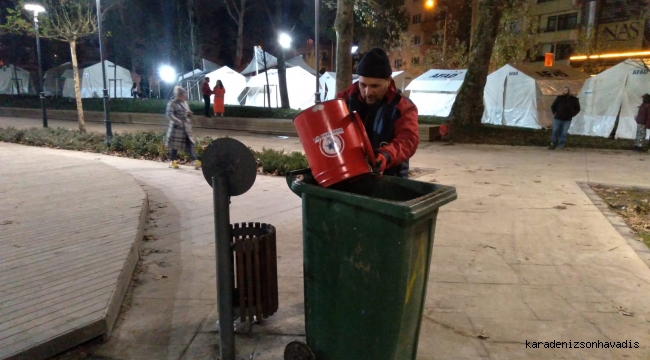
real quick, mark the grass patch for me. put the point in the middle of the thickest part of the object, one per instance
(632, 204)
(144, 145)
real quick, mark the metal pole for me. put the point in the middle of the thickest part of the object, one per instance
(40, 70)
(317, 94)
(115, 80)
(225, 270)
(107, 118)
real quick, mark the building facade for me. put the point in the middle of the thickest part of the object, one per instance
(432, 23)
(565, 25)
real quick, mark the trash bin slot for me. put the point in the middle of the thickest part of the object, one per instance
(372, 187)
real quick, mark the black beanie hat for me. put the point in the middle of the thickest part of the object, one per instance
(375, 64)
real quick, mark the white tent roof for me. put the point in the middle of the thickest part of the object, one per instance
(118, 80)
(300, 62)
(257, 64)
(14, 80)
(522, 95)
(300, 86)
(603, 96)
(209, 66)
(195, 74)
(233, 82)
(434, 80)
(54, 81)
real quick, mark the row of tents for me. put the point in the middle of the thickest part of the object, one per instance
(515, 95)
(521, 96)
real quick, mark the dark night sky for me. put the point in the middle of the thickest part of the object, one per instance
(152, 34)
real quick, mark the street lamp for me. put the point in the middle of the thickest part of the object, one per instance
(354, 49)
(107, 117)
(285, 41)
(317, 94)
(35, 8)
(167, 74)
(429, 4)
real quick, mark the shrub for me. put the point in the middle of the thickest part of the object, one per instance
(278, 163)
(140, 145)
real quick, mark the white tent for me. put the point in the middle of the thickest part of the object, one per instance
(434, 92)
(234, 83)
(328, 85)
(400, 79)
(118, 80)
(615, 92)
(521, 95)
(14, 80)
(54, 80)
(300, 62)
(300, 86)
(257, 64)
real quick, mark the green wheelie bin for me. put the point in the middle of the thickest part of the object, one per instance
(367, 247)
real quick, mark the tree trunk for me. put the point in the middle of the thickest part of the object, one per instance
(282, 66)
(468, 107)
(77, 85)
(282, 81)
(240, 39)
(344, 26)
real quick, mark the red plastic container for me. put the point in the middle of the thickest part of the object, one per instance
(335, 142)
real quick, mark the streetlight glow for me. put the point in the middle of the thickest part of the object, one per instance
(35, 8)
(354, 49)
(430, 3)
(285, 41)
(167, 74)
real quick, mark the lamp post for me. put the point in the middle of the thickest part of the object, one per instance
(38, 9)
(107, 116)
(317, 94)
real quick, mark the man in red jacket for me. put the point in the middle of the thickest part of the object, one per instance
(207, 92)
(390, 119)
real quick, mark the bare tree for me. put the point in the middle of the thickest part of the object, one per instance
(236, 10)
(64, 20)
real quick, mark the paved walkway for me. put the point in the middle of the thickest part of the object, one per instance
(509, 266)
(69, 236)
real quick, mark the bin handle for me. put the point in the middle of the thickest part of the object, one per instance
(367, 146)
(289, 175)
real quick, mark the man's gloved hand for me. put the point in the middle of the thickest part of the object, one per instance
(381, 164)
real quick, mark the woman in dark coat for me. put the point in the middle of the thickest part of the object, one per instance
(179, 133)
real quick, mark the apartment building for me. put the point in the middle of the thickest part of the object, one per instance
(559, 23)
(619, 26)
(430, 23)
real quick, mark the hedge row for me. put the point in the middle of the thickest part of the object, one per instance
(147, 145)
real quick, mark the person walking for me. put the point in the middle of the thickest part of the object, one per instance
(219, 92)
(564, 108)
(642, 122)
(205, 90)
(179, 133)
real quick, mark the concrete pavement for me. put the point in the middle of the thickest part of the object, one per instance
(509, 265)
(70, 231)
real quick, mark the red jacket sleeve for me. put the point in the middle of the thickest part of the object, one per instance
(406, 139)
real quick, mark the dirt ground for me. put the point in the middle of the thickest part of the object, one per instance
(633, 204)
